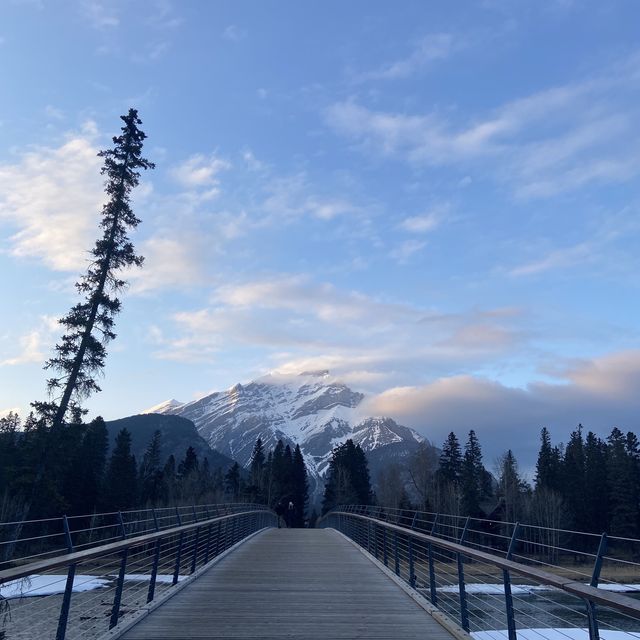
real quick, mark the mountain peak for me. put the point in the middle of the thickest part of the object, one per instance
(164, 407)
(312, 409)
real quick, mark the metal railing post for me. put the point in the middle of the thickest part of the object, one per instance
(412, 568)
(117, 598)
(506, 577)
(194, 558)
(592, 614)
(464, 613)
(176, 568)
(396, 557)
(432, 570)
(385, 553)
(156, 559)
(68, 589)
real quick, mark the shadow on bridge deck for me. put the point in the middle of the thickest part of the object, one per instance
(291, 583)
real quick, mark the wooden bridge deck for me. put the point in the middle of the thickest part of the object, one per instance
(291, 583)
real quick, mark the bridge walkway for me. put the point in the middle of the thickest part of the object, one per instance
(291, 583)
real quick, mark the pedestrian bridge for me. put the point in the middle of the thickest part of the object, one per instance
(228, 572)
(292, 583)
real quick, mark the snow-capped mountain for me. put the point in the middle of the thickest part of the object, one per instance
(312, 409)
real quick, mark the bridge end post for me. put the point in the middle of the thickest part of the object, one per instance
(156, 560)
(117, 598)
(464, 611)
(68, 589)
(592, 614)
(506, 578)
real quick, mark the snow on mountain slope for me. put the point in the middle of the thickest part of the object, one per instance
(312, 409)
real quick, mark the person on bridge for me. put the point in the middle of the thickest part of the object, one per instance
(290, 515)
(280, 512)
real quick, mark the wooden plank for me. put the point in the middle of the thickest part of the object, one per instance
(291, 583)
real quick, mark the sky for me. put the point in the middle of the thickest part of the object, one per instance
(438, 202)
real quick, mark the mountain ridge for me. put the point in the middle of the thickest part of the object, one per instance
(312, 409)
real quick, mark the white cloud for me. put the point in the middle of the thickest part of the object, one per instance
(52, 197)
(292, 197)
(100, 15)
(34, 344)
(170, 263)
(201, 172)
(296, 323)
(557, 259)
(426, 222)
(429, 49)
(234, 33)
(555, 140)
(599, 393)
(403, 252)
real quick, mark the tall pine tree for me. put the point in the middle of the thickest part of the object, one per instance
(81, 353)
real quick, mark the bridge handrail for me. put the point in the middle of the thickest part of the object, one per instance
(616, 601)
(77, 557)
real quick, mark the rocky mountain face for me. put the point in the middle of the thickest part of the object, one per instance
(311, 409)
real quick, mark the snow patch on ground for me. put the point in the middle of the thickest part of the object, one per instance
(51, 584)
(45, 585)
(524, 589)
(553, 634)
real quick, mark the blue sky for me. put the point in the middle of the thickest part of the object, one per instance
(436, 201)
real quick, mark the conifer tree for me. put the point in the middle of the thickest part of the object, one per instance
(257, 464)
(85, 475)
(623, 510)
(574, 481)
(450, 465)
(80, 354)
(189, 464)
(596, 489)
(232, 482)
(512, 489)
(347, 479)
(300, 487)
(150, 471)
(548, 464)
(120, 481)
(472, 477)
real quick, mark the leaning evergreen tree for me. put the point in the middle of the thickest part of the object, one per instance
(81, 353)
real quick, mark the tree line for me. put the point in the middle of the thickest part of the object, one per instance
(279, 478)
(83, 478)
(591, 484)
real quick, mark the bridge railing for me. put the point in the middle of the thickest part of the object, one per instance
(89, 589)
(500, 584)
(29, 540)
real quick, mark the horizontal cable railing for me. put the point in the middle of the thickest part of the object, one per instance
(29, 540)
(90, 587)
(505, 580)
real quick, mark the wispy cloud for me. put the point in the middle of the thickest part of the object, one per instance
(296, 322)
(557, 259)
(234, 33)
(429, 49)
(552, 141)
(200, 172)
(293, 196)
(403, 252)
(100, 15)
(34, 344)
(428, 221)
